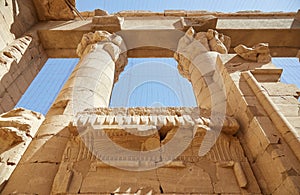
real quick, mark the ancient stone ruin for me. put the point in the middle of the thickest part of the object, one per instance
(242, 138)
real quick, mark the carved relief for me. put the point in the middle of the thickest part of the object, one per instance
(219, 171)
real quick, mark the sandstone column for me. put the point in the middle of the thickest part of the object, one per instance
(89, 86)
(102, 58)
(197, 57)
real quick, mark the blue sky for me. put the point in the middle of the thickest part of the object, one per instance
(157, 91)
(113, 6)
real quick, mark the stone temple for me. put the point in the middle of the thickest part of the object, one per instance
(242, 138)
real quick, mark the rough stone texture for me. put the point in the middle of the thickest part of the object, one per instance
(110, 23)
(258, 53)
(100, 12)
(16, 17)
(20, 62)
(54, 9)
(201, 23)
(262, 157)
(17, 128)
(82, 171)
(265, 133)
(196, 55)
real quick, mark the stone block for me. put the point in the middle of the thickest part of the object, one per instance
(280, 89)
(27, 74)
(22, 83)
(14, 93)
(109, 23)
(6, 80)
(55, 125)
(200, 23)
(252, 186)
(267, 75)
(226, 181)
(284, 100)
(39, 178)
(110, 180)
(260, 134)
(193, 180)
(6, 102)
(295, 121)
(53, 146)
(289, 110)
(290, 185)
(177, 13)
(271, 176)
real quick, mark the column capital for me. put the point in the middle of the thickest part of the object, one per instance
(193, 44)
(113, 44)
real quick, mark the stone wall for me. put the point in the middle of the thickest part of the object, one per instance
(21, 54)
(16, 17)
(20, 62)
(269, 140)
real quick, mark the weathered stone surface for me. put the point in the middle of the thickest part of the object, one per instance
(20, 62)
(110, 23)
(54, 9)
(100, 12)
(17, 128)
(258, 53)
(201, 23)
(280, 89)
(216, 41)
(91, 82)
(199, 65)
(82, 170)
(263, 136)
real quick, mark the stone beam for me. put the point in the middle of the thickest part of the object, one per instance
(60, 39)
